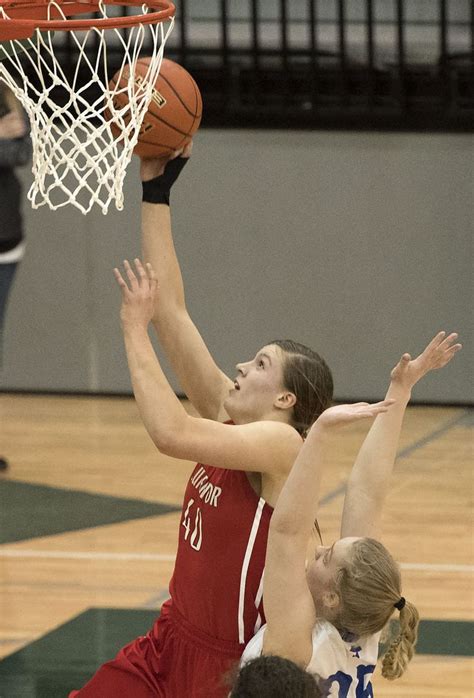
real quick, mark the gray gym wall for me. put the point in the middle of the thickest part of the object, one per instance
(359, 245)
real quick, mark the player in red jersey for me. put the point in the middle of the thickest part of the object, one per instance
(216, 588)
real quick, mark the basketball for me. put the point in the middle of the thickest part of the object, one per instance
(174, 112)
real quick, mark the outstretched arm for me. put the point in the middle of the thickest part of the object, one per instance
(200, 378)
(266, 446)
(370, 477)
(289, 607)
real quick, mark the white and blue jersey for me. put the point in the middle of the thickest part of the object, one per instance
(344, 666)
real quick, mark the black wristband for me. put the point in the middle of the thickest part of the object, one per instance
(157, 190)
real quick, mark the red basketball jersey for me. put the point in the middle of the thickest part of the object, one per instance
(216, 597)
(217, 583)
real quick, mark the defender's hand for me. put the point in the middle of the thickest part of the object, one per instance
(343, 415)
(437, 354)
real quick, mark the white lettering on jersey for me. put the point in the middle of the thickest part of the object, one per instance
(187, 519)
(208, 492)
(196, 536)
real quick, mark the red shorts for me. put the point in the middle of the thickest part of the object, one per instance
(174, 660)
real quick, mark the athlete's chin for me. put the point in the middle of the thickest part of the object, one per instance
(229, 404)
(233, 409)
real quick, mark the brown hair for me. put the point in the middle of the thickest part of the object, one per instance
(307, 375)
(269, 676)
(369, 586)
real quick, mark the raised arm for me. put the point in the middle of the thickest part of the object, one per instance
(266, 446)
(289, 607)
(200, 378)
(370, 477)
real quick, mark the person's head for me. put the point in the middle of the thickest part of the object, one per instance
(356, 585)
(286, 381)
(274, 677)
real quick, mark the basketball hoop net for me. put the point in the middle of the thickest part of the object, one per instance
(76, 158)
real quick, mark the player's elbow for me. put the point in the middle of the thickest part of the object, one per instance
(284, 525)
(166, 438)
(169, 316)
(163, 442)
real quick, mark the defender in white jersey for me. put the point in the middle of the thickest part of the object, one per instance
(343, 665)
(328, 616)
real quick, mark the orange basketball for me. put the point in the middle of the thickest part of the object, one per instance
(174, 112)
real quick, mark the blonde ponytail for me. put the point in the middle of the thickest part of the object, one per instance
(401, 650)
(369, 585)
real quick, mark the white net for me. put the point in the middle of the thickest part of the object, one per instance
(77, 159)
